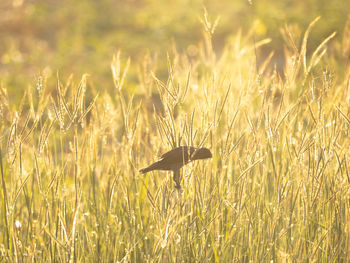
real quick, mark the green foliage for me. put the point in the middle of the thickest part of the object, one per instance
(277, 188)
(45, 36)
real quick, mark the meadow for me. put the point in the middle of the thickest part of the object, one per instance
(276, 189)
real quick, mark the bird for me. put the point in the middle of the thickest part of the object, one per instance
(176, 158)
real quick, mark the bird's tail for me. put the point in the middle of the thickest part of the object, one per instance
(149, 168)
(145, 170)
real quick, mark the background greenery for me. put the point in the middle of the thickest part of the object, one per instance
(267, 91)
(72, 36)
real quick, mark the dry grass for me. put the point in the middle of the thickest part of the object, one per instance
(276, 189)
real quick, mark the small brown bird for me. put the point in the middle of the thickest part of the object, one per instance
(176, 158)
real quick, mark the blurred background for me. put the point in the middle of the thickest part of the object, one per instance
(42, 37)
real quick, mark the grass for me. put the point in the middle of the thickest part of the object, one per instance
(277, 188)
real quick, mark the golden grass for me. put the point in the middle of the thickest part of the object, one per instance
(277, 188)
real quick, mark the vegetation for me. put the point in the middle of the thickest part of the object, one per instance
(276, 189)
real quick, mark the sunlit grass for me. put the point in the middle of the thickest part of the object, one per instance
(277, 188)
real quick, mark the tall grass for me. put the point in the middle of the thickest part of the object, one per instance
(277, 188)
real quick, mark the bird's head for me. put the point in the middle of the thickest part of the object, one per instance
(201, 153)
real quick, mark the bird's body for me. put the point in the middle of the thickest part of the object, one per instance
(175, 159)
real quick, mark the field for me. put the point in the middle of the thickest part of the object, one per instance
(276, 190)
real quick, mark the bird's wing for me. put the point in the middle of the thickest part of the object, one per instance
(178, 154)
